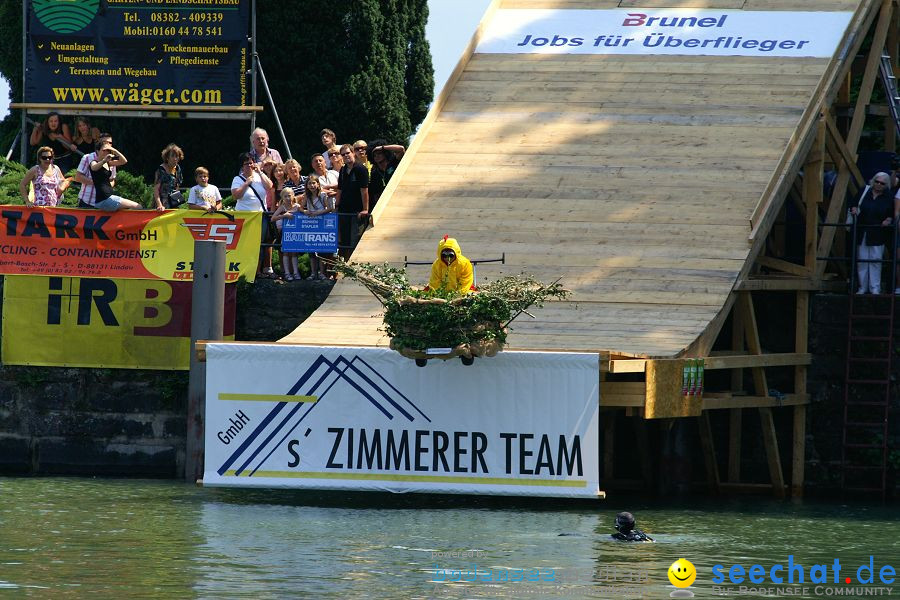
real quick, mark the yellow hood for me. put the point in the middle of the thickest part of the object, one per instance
(451, 243)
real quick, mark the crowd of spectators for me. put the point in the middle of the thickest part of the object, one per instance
(348, 179)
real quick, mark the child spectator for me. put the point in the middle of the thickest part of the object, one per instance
(204, 196)
(329, 140)
(316, 202)
(287, 208)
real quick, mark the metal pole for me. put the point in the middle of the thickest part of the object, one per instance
(262, 76)
(23, 142)
(253, 63)
(207, 321)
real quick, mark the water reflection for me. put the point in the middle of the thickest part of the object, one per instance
(74, 537)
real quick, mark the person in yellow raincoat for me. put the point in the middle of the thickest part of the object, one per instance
(451, 271)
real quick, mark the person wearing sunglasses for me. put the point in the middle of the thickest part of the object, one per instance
(874, 215)
(361, 152)
(48, 181)
(329, 140)
(451, 271)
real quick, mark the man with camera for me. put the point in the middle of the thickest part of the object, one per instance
(249, 189)
(108, 158)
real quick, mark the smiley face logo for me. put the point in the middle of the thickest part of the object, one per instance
(682, 573)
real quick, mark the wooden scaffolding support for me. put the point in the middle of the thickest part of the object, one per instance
(829, 142)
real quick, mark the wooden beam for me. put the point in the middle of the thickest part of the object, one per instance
(737, 344)
(735, 361)
(735, 426)
(757, 360)
(746, 488)
(789, 284)
(709, 452)
(726, 400)
(751, 334)
(813, 173)
(798, 452)
(783, 266)
(893, 41)
(770, 439)
(609, 444)
(635, 365)
(623, 393)
(852, 141)
(838, 149)
(643, 444)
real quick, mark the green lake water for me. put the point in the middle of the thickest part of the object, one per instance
(73, 538)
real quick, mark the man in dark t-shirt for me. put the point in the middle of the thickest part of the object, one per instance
(352, 200)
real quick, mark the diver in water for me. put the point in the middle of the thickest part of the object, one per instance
(626, 531)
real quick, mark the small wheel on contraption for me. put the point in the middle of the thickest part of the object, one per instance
(467, 360)
(421, 362)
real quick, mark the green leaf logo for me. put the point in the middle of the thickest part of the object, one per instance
(65, 16)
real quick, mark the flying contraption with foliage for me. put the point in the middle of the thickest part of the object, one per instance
(425, 324)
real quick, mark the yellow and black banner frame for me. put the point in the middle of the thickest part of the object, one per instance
(102, 323)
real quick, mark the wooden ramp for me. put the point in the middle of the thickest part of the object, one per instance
(647, 183)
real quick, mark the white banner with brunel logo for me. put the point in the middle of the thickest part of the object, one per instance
(684, 31)
(522, 423)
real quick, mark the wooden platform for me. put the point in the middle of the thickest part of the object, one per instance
(637, 179)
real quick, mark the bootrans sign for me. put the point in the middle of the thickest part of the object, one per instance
(665, 31)
(522, 423)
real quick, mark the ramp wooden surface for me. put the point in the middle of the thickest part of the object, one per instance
(634, 178)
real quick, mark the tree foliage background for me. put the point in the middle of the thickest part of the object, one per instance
(359, 67)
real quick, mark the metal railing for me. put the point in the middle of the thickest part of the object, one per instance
(853, 258)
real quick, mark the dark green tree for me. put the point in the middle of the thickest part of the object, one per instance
(419, 74)
(359, 67)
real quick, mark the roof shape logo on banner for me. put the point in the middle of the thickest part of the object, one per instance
(65, 16)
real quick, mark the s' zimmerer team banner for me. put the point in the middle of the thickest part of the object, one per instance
(174, 53)
(102, 323)
(686, 31)
(133, 244)
(521, 423)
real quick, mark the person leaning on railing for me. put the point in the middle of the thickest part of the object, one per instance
(48, 180)
(873, 217)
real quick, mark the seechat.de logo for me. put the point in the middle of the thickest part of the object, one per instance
(682, 574)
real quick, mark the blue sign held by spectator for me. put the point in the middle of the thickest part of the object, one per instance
(310, 234)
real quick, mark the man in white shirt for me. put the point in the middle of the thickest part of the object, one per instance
(249, 190)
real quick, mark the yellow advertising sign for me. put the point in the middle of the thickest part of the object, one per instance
(103, 323)
(128, 244)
